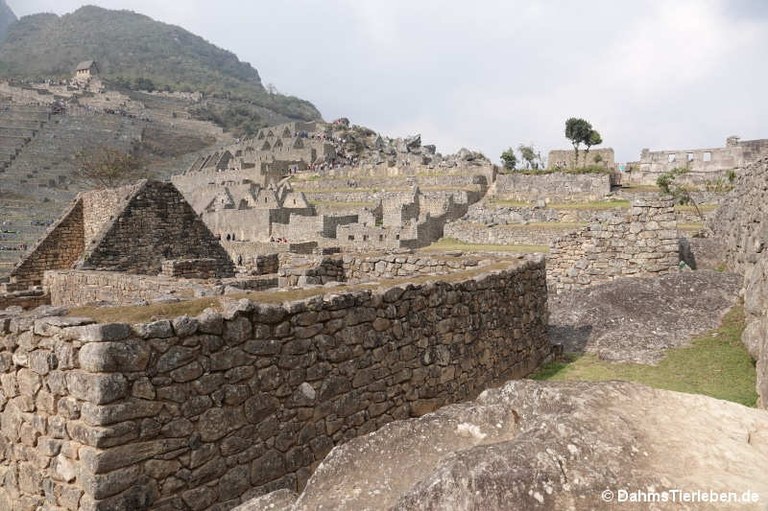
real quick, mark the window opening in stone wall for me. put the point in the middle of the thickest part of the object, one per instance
(671, 158)
(381, 237)
(351, 238)
(707, 156)
(690, 156)
(365, 237)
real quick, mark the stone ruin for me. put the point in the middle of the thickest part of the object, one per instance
(644, 243)
(137, 229)
(703, 164)
(204, 412)
(243, 192)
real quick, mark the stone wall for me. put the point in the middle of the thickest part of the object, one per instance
(519, 234)
(565, 158)
(645, 242)
(552, 187)
(157, 224)
(59, 249)
(202, 413)
(27, 299)
(69, 288)
(741, 224)
(356, 268)
(190, 268)
(703, 164)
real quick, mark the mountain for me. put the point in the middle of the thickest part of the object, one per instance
(7, 17)
(135, 51)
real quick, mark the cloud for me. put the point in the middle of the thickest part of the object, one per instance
(490, 74)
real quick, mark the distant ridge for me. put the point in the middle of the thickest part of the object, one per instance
(7, 17)
(138, 52)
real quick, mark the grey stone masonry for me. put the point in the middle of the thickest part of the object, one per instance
(647, 242)
(132, 229)
(201, 413)
(552, 186)
(741, 224)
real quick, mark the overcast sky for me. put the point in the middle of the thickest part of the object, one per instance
(489, 74)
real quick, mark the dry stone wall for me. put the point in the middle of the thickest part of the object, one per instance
(644, 243)
(552, 187)
(60, 249)
(741, 223)
(79, 287)
(202, 413)
(157, 224)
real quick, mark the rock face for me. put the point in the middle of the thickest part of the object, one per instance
(545, 445)
(635, 320)
(742, 224)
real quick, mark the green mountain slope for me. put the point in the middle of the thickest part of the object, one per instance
(135, 50)
(7, 17)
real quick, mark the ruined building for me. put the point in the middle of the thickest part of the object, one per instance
(242, 195)
(703, 164)
(138, 229)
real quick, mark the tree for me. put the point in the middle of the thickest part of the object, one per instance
(594, 138)
(531, 157)
(578, 132)
(668, 184)
(107, 167)
(509, 159)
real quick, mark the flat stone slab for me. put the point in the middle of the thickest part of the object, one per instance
(637, 319)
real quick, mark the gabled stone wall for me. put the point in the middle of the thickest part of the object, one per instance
(202, 413)
(156, 225)
(60, 249)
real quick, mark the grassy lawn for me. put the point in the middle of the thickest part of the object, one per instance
(453, 244)
(641, 188)
(591, 205)
(343, 205)
(588, 205)
(689, 208)
(716, 364)
(692, 227)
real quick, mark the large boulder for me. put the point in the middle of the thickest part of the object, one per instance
(546, 445)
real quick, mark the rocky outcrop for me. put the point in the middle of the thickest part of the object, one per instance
(742, 224)
(636, 320)
(544, 445)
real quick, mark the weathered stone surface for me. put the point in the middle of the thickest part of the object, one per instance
(503, 451)
(636, 320)
(97, 388)
(103, 332)
(108, 357)
(741, 227)
(277, 500)
(98, 461)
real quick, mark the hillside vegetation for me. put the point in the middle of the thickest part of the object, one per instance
(135, 51)
(7, 18)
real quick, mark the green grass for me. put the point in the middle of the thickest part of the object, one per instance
(689, 208)
(453, 244)
(592, 205)
(692, 227)
(587, 205)
(343, 205)
(715, 364)
(641, 188)
(510, 203)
